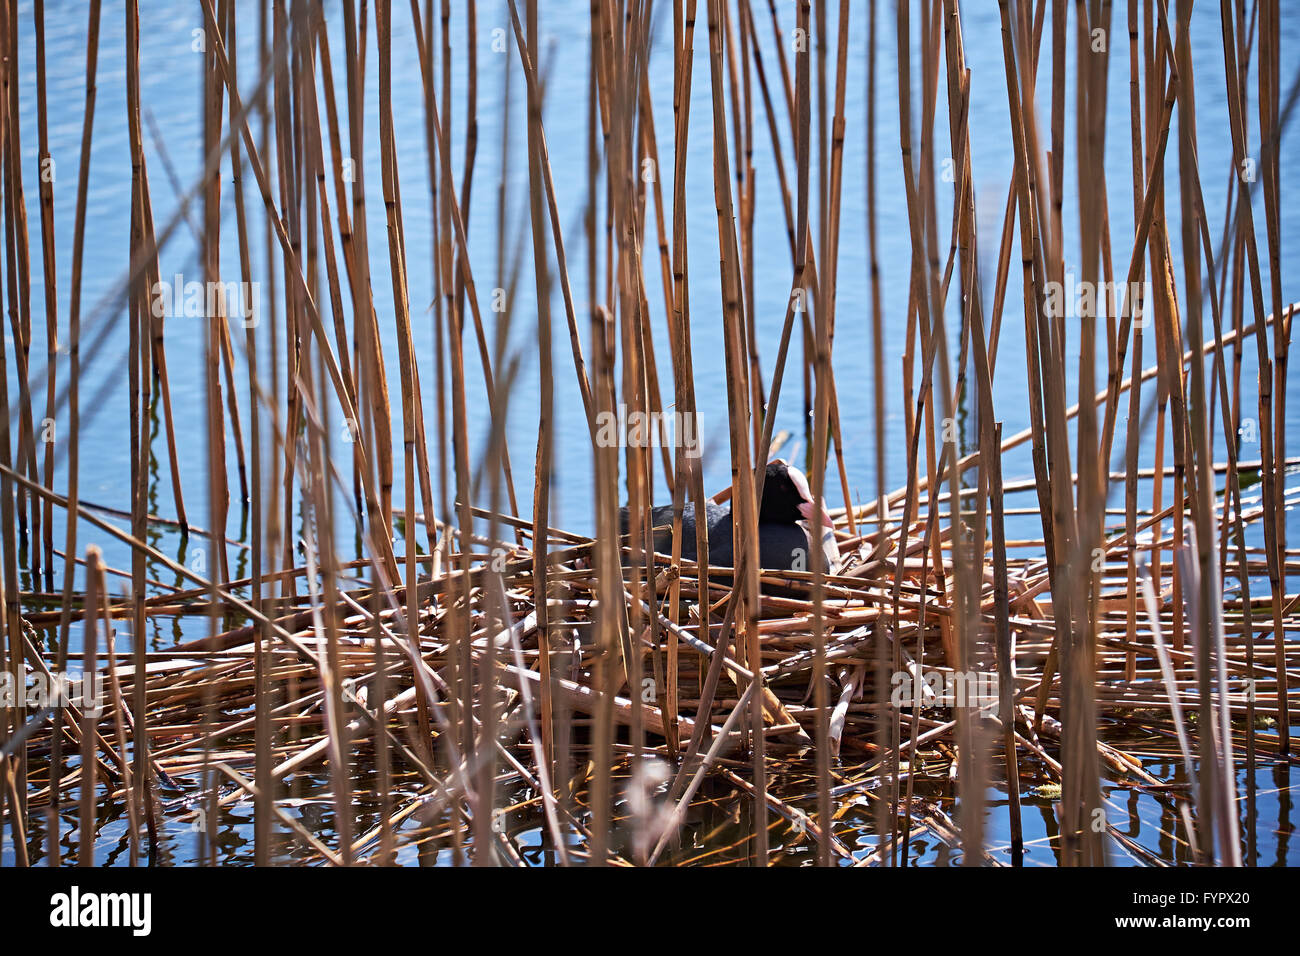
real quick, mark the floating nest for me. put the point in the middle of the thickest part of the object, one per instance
(875, 677)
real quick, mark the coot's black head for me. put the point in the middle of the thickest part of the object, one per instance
(786, 496)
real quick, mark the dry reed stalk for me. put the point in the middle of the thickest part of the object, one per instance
(86, 821)
(18, 254)
(412, 419)
(143, 251)
(74, 382)
(264, 797)
(15, 767)
(546, 378)
(119, 719)
(1270, 145)
(321, 550)
(924, 299)
(370, 365)
(50, 273)
(217, 494)
(1269, 473)
(1135, 395)
(971, 654)
(745, 499)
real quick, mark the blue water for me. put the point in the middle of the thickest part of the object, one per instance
(171, 94)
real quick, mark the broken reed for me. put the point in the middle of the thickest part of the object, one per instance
(328, 338)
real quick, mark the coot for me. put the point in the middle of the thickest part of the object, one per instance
(784, 515)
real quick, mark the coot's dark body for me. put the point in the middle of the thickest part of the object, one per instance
(783, 542)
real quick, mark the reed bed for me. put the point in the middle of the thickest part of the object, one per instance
(470, 682)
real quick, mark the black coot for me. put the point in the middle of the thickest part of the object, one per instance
(783, 541)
